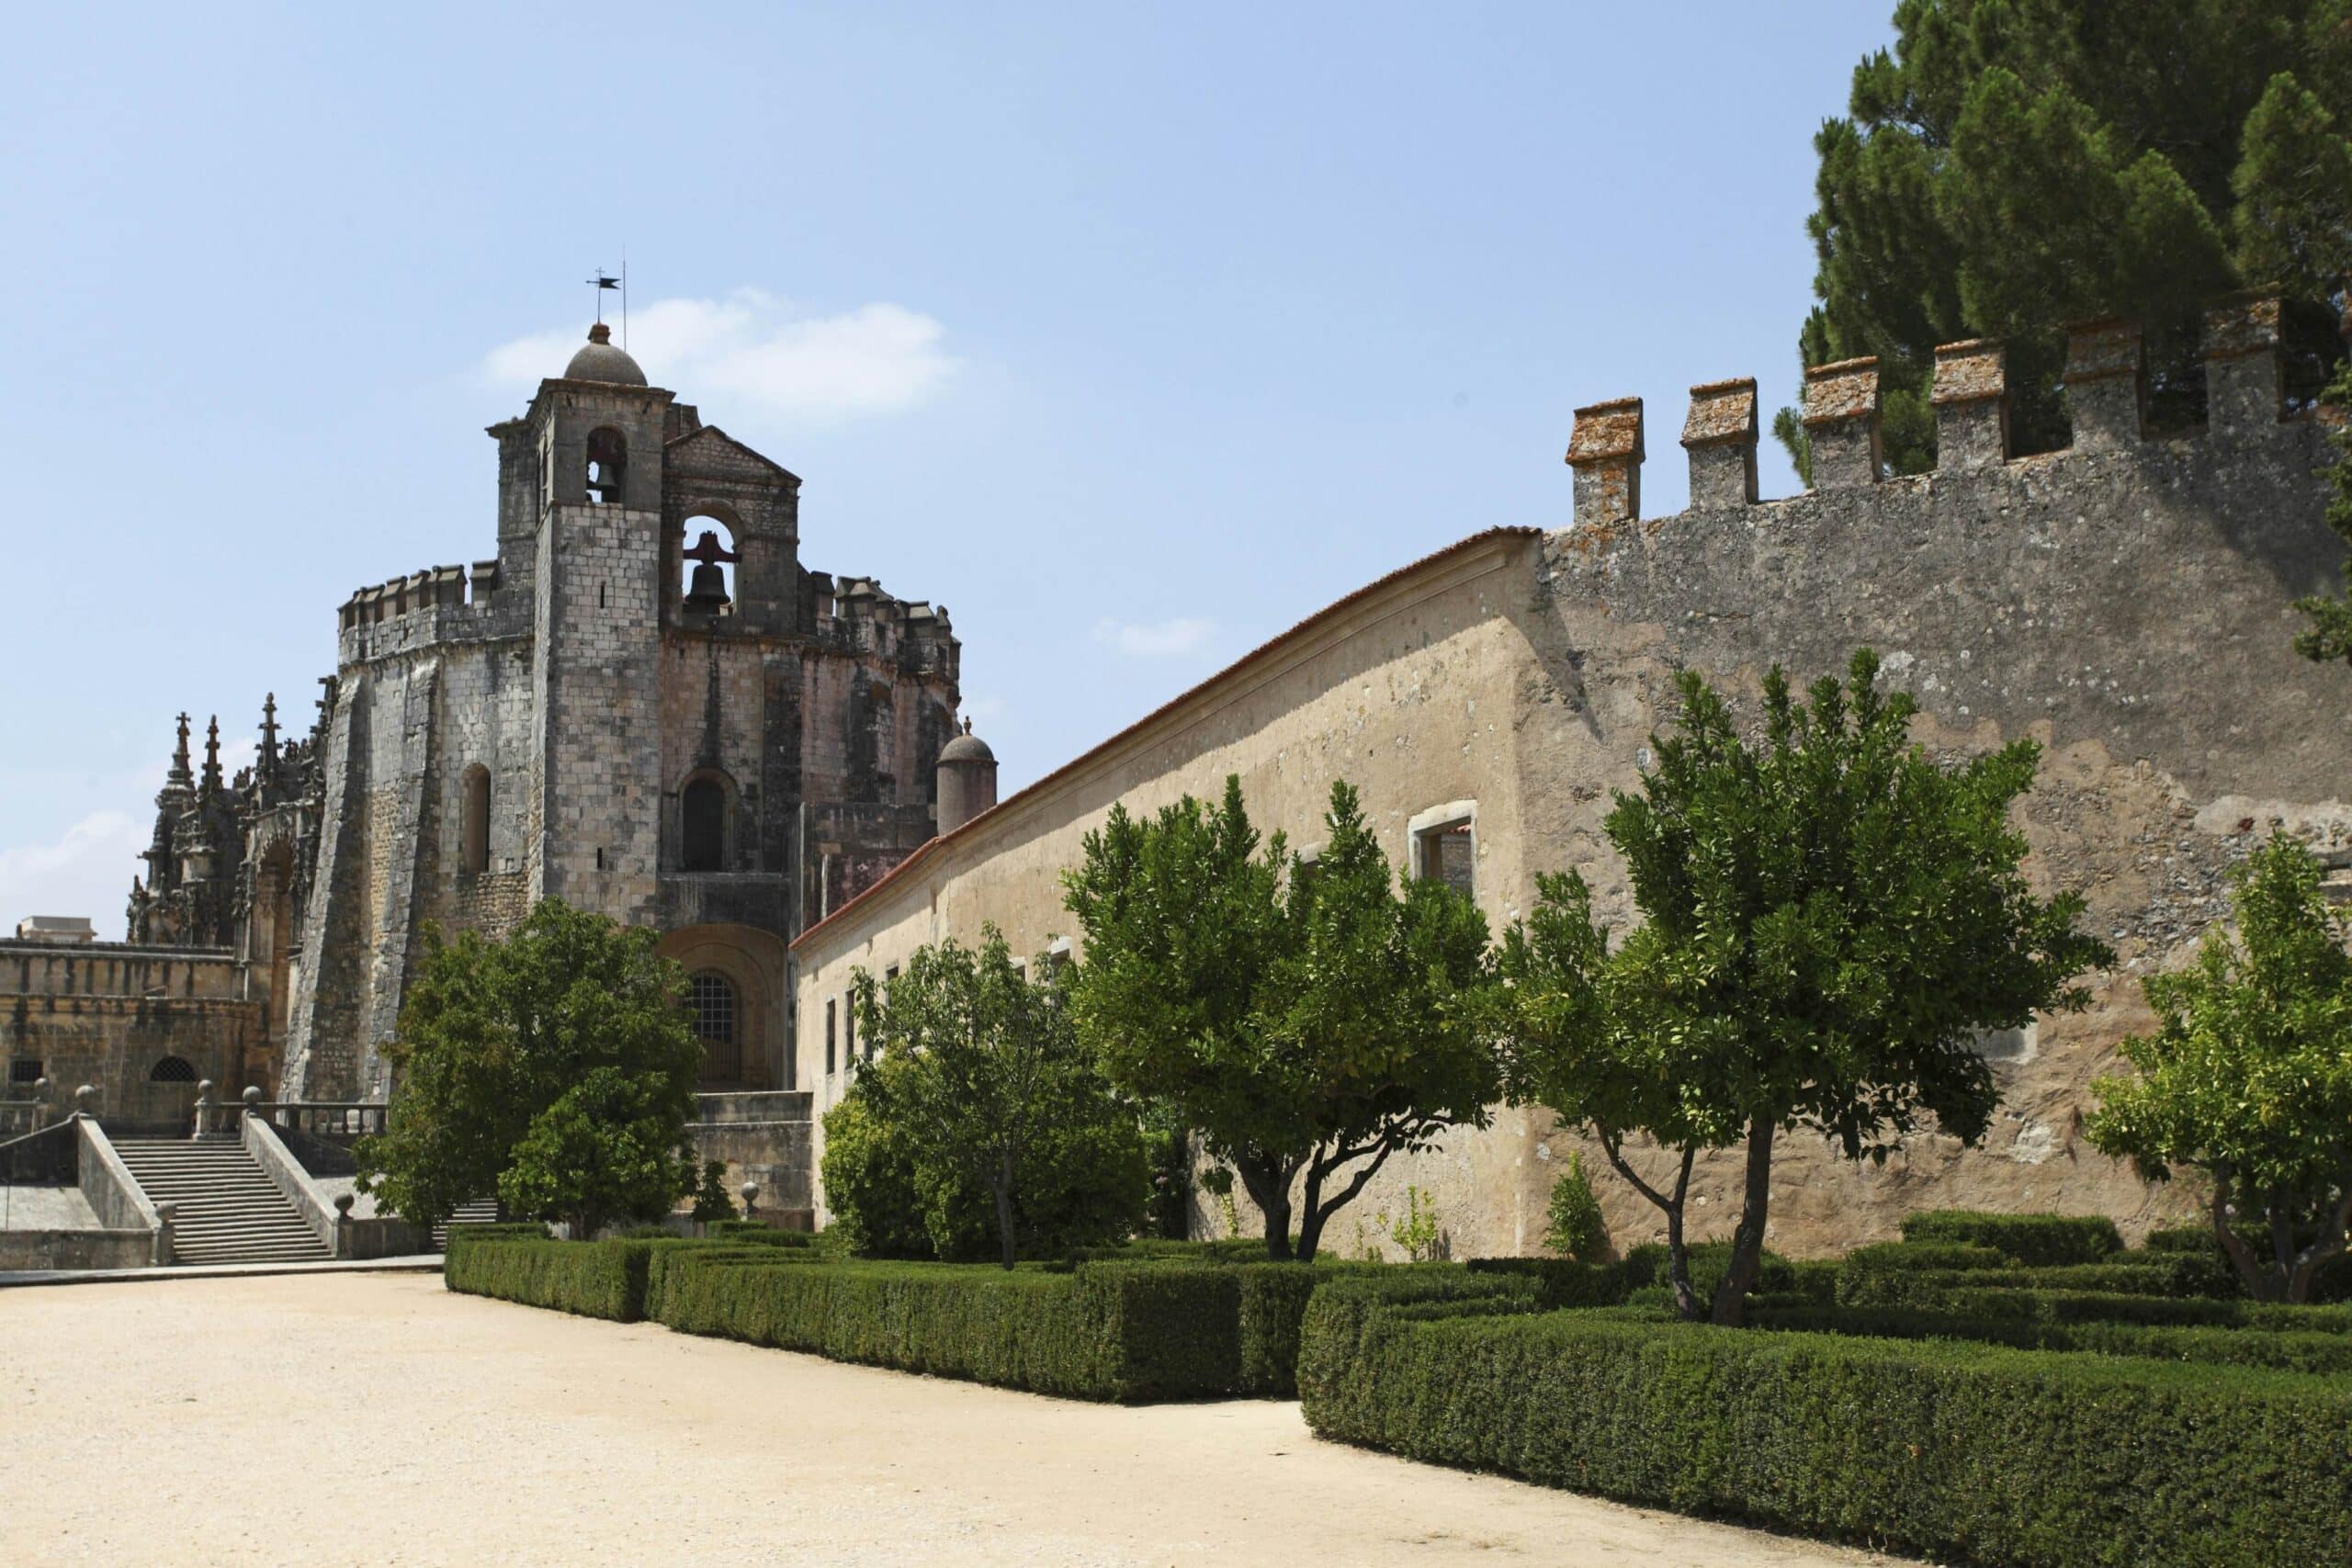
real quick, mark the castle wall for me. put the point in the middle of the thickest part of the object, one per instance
(106, 1014)
(2126, 602)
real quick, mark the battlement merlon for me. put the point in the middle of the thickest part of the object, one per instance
(1605, 450)
(2105, 387)
(1720, 437)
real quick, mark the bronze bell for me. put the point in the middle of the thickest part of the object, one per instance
(708, 594)
(706, 590)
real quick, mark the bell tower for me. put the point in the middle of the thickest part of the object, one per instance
(595, 434)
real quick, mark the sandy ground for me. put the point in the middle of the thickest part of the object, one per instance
(328, 1419)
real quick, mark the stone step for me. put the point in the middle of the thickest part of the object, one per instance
(225, 1207)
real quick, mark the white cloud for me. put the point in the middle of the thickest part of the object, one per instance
(1156, 639)
(86, 871)
(752, 350)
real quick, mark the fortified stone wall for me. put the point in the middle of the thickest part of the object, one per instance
(2126, 602)
(113, 1016)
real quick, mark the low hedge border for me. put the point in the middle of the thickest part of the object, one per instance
(2173, 1277)
(1971, 1450)
(1103, 1331)
(2319, 1350)
(594, 1279)
(2034, 1240)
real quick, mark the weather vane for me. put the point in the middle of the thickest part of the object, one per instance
(603, 280)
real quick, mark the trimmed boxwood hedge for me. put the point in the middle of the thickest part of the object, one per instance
(2318, 1349)
(1971, 1451)
(1108, 1331)
(2173, 1277)
(2035, 1240)
(594, 1279)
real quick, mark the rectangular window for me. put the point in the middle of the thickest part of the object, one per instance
(829, 1037)
(849, 1033)
(25, 1071)
(1445, 847)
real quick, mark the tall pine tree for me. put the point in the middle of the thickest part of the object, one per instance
(2014, 164)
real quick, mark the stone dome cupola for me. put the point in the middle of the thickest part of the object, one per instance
(967, 779)
(600, 361)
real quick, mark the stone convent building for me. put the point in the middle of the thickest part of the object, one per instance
(642, 703)
(2128, 602)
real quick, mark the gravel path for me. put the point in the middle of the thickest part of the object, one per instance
(378, 1419)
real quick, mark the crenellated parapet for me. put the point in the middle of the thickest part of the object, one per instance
(855, 616)
(442, 603)
(2105, 386)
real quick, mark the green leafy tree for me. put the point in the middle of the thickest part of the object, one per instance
(712, 1201)
(2249, 1077)
(555, 1067)
(1575, 1228)
(979, 1087)
(1831, 919)
(2013, 165)
(1308, 1020)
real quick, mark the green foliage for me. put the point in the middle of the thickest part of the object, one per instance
(1308, 1023)
(2323, 1352)
(610, 1145)
(2169, 1275)
(594, 1279)
(559, 1058)
(2030, 1239)
(1108, 1331)
(1958, 1449)
(2328, 638)
(1416, 1232)
(2249, 1077)
(979, 1127)
(1831, 919)
(712, 1201)
(1575, 1228)
(2009, 166)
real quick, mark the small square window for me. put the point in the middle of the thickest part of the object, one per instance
(1445, 849)
(25, 1070)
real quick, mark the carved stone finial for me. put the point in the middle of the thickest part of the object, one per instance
(750, 1198)
(252, 1096)
(343, 1202)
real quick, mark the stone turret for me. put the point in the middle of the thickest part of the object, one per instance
(967, 779)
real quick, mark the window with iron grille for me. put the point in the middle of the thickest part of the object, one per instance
(172, 1069)
(712, 999)
(25, 1070)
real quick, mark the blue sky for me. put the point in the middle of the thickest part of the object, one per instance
(1133, 335)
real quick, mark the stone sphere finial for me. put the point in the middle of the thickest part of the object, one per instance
(343, 1202)
(83, 1097)
(204, 1089)
(750, 1196)
(253, 1095)
(165, 1210)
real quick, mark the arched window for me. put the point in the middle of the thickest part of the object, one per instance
(172, 1069)
(711, 996)
(702, 824)
(607, 466)
(473, 838)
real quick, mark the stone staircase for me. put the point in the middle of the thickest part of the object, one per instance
(229, 1210)
(480, 1211)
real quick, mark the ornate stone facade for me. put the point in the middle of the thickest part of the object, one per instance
(643, 704)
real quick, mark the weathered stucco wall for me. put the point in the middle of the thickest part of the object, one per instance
(2126, 602)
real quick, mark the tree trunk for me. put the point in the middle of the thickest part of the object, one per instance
(1003, 1186)
(1267, 1184)
(1748, 1241)
(1678, 1250)
(2263, 1284)
(1310, 1224)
